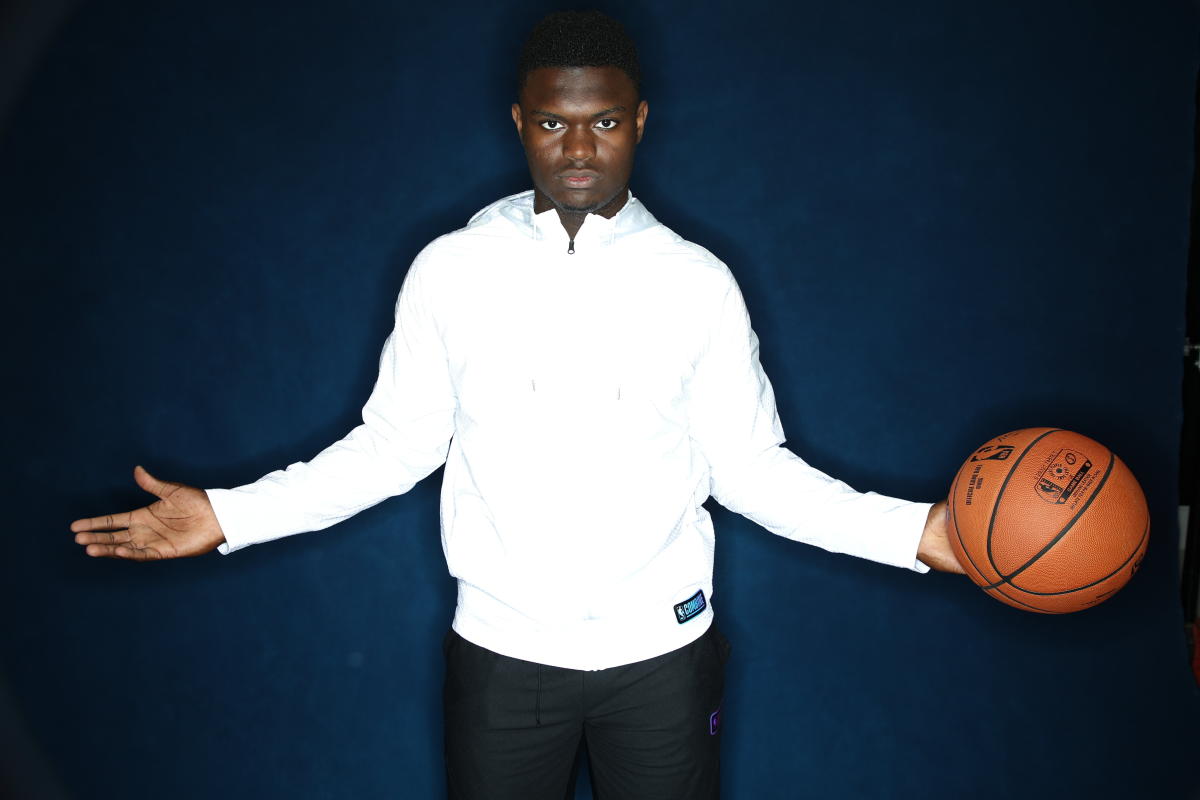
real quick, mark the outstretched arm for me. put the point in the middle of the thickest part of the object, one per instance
(733, 419)
(180, 523)
(406, 430)
(408, 422)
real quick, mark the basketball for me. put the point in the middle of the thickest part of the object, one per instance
(1048, 520)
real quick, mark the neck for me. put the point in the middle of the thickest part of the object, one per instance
(572, 219)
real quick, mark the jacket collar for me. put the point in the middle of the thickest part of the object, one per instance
(596, 230)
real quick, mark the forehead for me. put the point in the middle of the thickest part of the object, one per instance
(581, 88)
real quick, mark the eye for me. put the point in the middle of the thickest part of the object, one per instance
(607, 124)
(551, 124)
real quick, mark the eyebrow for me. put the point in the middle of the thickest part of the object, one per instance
(603, 113)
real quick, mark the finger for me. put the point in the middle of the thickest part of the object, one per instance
(150, 483)
(109, 522)
(118, 537)
(122, 551)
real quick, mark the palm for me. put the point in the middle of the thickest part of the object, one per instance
(180, 523)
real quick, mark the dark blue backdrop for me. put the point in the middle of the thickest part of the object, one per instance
(949, 219)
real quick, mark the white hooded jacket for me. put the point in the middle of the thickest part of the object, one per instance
(586, 398)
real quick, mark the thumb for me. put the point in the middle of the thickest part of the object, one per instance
(150, 483)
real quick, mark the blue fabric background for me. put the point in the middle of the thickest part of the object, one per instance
(949, 219)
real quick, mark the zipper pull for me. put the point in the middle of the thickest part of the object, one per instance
(571, 247)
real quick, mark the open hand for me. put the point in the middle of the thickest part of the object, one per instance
(180, 523)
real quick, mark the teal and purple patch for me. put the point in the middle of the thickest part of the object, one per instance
(690, 607)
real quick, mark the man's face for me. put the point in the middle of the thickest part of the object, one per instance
(580, 127)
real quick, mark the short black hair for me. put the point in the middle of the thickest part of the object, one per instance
(578, 39)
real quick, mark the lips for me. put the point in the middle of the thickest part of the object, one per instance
(578, 179)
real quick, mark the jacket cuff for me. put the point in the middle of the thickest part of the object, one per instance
(236, 518)
(920, 513)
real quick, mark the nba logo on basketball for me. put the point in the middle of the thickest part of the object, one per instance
(994, 452)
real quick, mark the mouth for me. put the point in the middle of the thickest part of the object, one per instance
(578, 179)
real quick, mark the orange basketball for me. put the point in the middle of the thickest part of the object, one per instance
(1048, 520)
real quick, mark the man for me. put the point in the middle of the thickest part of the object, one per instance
(589, 379)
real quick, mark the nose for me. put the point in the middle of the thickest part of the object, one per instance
(577, 143)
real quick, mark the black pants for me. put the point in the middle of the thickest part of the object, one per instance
(652, 728)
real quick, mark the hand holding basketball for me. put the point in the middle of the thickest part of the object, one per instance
(935, 550)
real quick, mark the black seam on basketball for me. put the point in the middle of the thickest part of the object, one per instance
(996, 503)
(1058, 537)
(1015, 600)
(1124, 564)
(957, 531)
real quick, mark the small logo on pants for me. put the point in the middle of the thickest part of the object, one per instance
(714, 722)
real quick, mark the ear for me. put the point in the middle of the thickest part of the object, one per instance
(642, 110)
(516, 115)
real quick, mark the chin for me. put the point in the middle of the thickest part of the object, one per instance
(579, 209)
(590, 208)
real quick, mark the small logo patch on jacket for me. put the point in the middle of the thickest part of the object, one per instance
(690, 607)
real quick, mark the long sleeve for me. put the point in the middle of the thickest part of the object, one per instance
(407, 425)
(735, 424)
